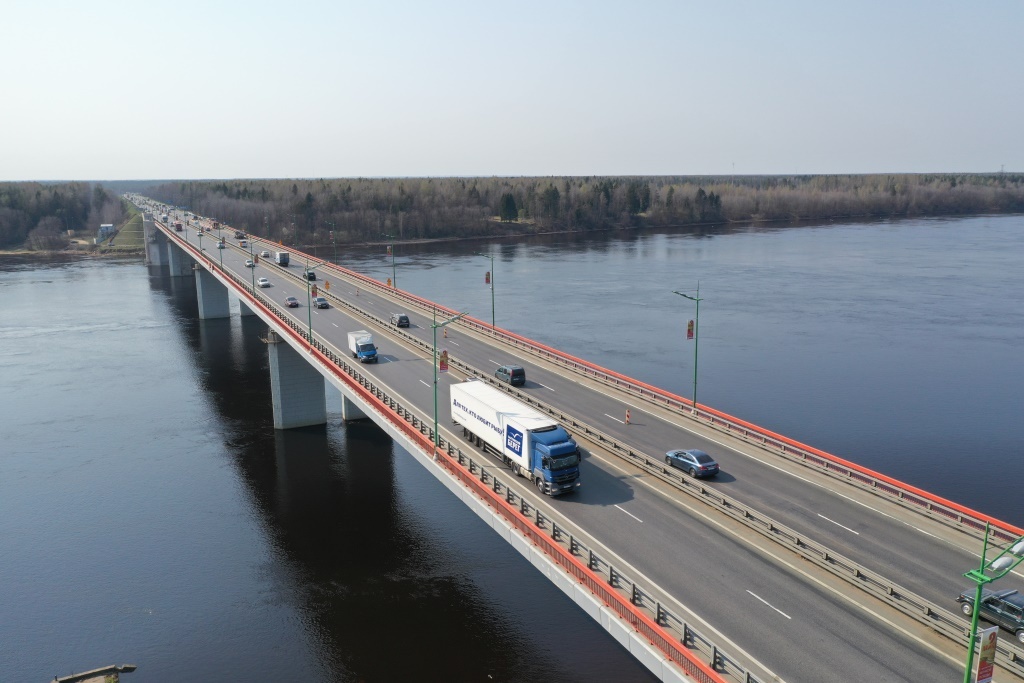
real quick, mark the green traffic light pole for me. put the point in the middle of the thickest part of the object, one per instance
(696, 338)
(491, 256)
(1003, 564)
(391, 248)
(434, 325)
(309, 309)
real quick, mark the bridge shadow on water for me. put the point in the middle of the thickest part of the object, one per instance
(391, 577)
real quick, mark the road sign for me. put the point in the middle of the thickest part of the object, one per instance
(313, 290)
(442, 365)
(327, 285)
(689, 330)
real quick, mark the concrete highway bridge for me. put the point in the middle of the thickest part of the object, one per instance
(792, 565)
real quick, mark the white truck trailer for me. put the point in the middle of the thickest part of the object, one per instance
(532, 444)
(360, 344)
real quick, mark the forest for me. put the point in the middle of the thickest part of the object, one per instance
(39, 215)
(359, 210)
(317, 211)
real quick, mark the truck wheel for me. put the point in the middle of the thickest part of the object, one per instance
(540, 485)
(967, 608)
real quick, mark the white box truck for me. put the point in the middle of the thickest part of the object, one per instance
(360, 343)
(532, 444)
(281, 257)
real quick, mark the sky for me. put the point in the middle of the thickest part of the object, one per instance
(216, 89)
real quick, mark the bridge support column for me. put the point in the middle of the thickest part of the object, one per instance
(297, 388)
(350, 410)
(244, 309)
(178, 260)
(212, 295)
(156, 244)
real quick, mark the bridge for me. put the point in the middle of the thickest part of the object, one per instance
(793, 565)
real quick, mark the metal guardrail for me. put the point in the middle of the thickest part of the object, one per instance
(905, 601)
(612, 585)
(934, 507)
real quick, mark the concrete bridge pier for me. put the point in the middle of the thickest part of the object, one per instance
(296, 387)
(350, 410)
(156, 244)
(212, 296)
(244, 309)
(179, 261)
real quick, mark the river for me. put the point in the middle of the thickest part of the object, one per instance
(150, 514)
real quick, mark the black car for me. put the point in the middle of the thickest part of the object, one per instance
(698, 463)
(513, 374)
(400, 320)
(1003, 608)
(310, 275)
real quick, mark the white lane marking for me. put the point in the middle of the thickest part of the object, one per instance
(837, 493)
(631, 514)
(493, 361)
(455, 343)
(336, 325)
(838, 524)
(546, 386)
(426, 384)
(615, 418)
(770, 605)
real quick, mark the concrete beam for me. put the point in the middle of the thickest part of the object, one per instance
(212, 296)
(350, 410)
(296, 387)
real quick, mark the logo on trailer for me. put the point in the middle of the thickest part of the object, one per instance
(514, 440)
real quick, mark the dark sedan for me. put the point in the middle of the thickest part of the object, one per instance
(291, 302)
(698, 463)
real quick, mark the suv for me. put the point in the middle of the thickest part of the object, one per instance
(1003, 608)
(513, 374)
(400, 320)
(310, 275)
(320, 302)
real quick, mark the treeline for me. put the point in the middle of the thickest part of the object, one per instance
(39, 215)
(355, 210)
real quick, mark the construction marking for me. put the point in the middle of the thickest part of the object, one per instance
(770, 604)
(838, 524)
(631, 514)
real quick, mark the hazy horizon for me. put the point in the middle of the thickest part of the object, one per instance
(219, 90)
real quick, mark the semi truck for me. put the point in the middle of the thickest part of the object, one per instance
(281, 258)
(360, 343)
(177, 226)
(531, 444)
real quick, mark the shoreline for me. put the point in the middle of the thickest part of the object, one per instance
(783, 222)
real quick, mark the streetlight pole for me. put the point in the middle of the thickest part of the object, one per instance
(391, 250)
(491, 256)
(333, 241)
(1003, 564)
(252, 269)
(696, 338)
(434, 325)
(309, 308)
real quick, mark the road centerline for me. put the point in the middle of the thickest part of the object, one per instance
(630, 514)
(770, 605)
(838, 524)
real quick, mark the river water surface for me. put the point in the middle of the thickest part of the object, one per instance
(149, 513)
